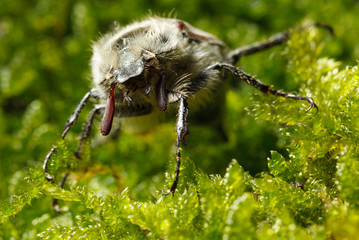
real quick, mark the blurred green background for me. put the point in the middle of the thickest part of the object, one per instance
(45, 47)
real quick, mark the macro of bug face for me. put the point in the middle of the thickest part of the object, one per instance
(147, 66)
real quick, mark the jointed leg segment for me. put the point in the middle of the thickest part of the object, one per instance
(182, 131)
(87, 127)
(84, 135)
(202, 80)
(275, 40)
(280, 38)
(256, 83)
(55, 202)
(74, 116)
(70, 122)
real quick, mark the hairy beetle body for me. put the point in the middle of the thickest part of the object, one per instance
(158, 53)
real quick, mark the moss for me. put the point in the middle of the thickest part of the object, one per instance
(296, 173)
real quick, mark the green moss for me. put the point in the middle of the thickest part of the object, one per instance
(296, 173)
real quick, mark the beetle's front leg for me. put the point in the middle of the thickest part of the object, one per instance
(201, 80)
(277, 39)
(182, 131)
(74, 116)
(84, 135)
(70, 122)
(234, 56)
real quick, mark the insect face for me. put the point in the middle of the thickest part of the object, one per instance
(133, 78)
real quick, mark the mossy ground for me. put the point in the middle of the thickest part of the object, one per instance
(283, 173)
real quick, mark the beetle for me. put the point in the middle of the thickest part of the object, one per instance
(149, 66)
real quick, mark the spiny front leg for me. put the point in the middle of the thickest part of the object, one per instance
(182, 131)
(277, 39)
(74, 116)
(55, 201)
(201, 80)
(84, 135)
(86, 130)
(234, 56)
(70, 122)
(44, 166)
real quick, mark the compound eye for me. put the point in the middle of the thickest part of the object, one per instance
(129, 65)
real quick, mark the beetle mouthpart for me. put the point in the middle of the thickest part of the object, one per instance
(107, 119)
(127, 97)
(161, 95)
(148, 89)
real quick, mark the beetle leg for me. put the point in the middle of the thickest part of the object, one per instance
(74, 116)
(84, 135)
(87, 127)
(182, 131)
(234, 56)
(44, 165)
(70, 122)
(55, 201)
(277, 39)
(201, 80)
